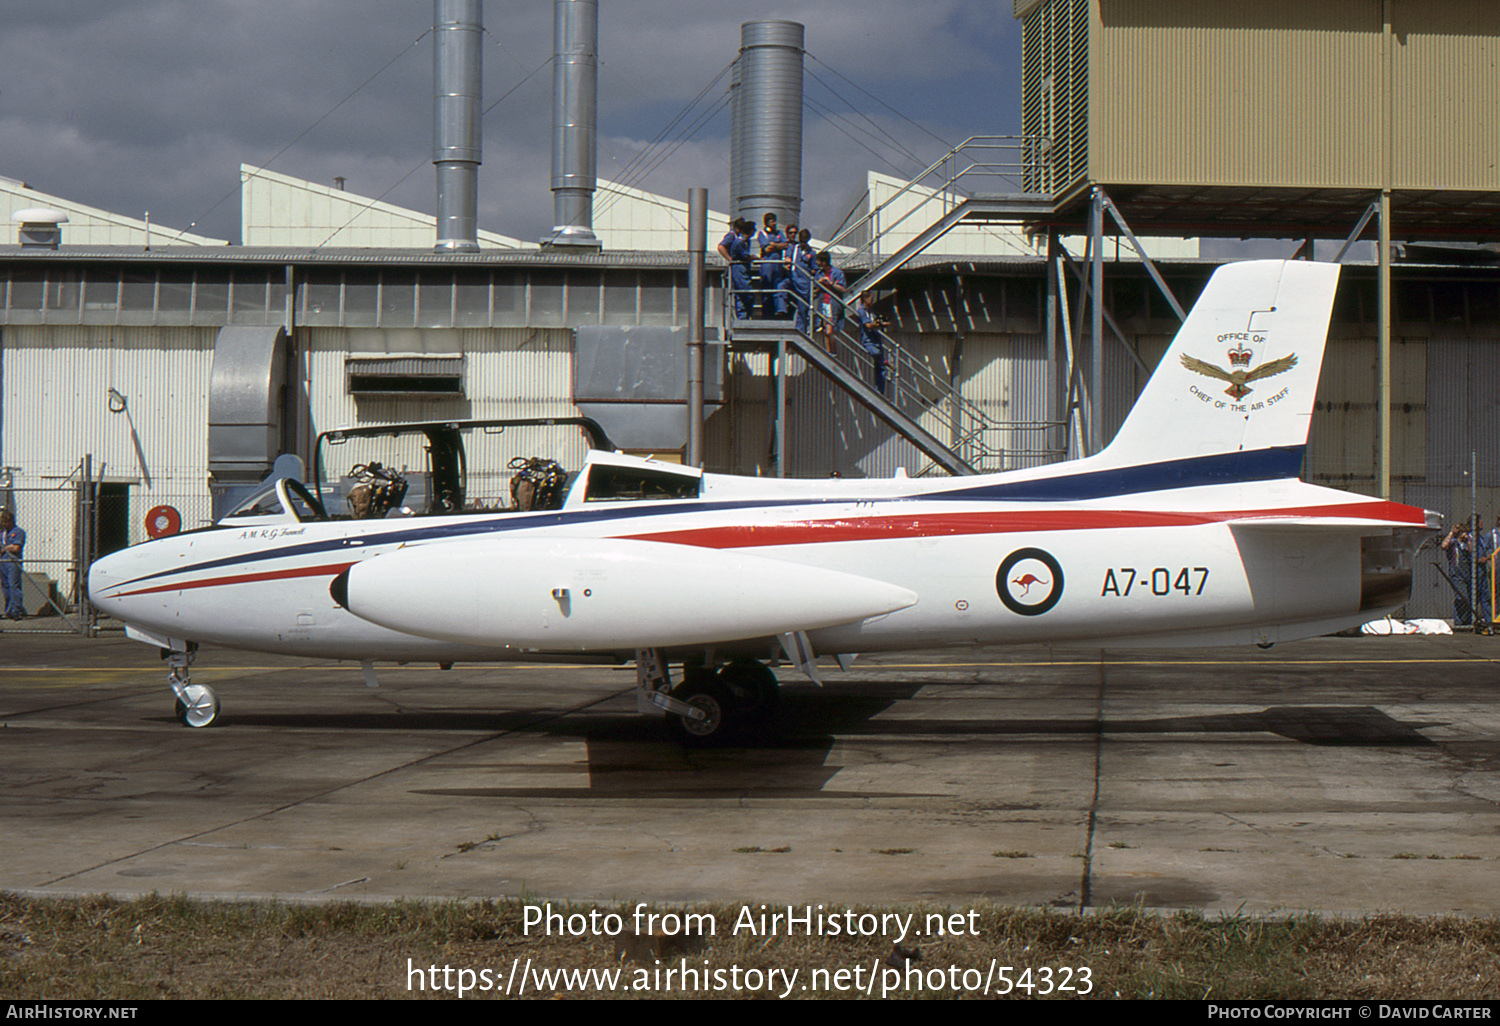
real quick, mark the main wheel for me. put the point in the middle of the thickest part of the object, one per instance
(754, 687)
(717, 706)
(200, 708)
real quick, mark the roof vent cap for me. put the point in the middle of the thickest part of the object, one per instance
(40, 226)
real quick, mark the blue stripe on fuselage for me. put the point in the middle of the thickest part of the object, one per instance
(1223, 468)
(1226, 468)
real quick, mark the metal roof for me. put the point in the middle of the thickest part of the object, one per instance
(1218, 211)
(668, 259)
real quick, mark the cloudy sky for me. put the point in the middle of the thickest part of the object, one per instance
(152, 105)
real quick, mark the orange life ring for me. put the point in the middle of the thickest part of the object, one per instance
(162, 521)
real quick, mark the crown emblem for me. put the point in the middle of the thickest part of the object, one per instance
(1240, 357)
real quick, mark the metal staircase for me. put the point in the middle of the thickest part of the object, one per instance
(912, 391)
(1002, 209)
(973, 442)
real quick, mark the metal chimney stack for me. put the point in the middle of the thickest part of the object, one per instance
(456, 28)
(575, 99)
(766, 122)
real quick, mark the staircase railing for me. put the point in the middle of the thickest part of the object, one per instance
(913, 388)
(985, 163)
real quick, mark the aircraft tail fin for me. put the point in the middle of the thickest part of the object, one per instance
(1242, 373)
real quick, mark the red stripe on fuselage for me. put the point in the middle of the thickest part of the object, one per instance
(937, 525)
(331, 570)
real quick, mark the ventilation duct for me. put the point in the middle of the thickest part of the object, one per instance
(766, 122)
(456, 28)
(575, 100)
(245, 401)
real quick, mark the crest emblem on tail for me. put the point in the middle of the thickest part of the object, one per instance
(1238, 379)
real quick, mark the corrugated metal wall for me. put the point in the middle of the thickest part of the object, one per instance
(1055, 90)
(829, 433)
(1446, 134)
(508, 372)
(1274, 93)
(56, 409)
(1279, 92)
(1464, 413)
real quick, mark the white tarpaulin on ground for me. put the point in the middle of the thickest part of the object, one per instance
(1390, 626)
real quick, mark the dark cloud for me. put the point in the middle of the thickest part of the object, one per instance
(133, 105)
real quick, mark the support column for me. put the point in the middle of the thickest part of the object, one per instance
(697, 281)
(781, 407)
(1383, 401)
(1383, 407)
(1051, 412)
(1096, 321)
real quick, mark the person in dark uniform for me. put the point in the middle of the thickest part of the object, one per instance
(797, 287)
(828, 298)
(12, 545)
(771, 244)
(735, 249)
(871, 337)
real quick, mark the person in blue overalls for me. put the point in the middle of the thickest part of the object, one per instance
(828, 298)
(797, 287)
(1458, 547)
(871, 337)
(735, 249)
(1484, 554)
(771, 243)
(12, 544)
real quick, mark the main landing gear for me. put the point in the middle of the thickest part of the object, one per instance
(197, 705)
(711, 706)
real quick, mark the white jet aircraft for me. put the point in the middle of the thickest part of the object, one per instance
(1191, 528)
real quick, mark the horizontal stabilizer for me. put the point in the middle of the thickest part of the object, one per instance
(591, 594)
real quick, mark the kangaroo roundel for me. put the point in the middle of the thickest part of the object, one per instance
(1030, 581)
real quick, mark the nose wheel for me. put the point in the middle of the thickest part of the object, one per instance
(196, 704)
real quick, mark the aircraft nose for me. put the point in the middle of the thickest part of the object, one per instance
(104, 574)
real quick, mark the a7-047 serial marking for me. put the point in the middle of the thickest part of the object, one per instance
(1161, 580)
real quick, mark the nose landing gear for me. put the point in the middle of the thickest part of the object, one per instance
(196, 705)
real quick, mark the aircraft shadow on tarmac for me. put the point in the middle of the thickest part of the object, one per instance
(628, 758)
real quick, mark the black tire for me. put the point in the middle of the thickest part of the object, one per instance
(755, 689)
(716, 702)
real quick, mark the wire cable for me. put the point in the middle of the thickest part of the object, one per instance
(649, 159)
(425, 160)
(308, 129)
(875, 128)
(920, 127)
(628, 174)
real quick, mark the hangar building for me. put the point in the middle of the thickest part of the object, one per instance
(181, 365)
